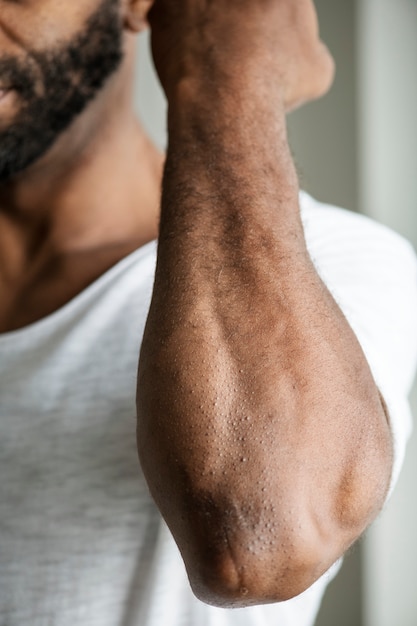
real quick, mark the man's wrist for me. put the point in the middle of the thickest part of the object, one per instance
(239, 106)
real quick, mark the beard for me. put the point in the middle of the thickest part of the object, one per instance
(55, 86)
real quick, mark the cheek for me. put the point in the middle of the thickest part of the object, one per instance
(41, 24)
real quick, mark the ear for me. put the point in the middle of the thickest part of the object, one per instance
(135, 12)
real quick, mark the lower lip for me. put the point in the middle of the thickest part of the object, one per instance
(3, 94)
(6, 100)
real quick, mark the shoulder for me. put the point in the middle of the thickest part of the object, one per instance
(334, 232)
(357, 256)
(371, 272)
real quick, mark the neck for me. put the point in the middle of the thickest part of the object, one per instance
(93, 189)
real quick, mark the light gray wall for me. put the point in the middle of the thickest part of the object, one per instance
(150, 101)
(387, 45)
(388, 149)
(323, 134)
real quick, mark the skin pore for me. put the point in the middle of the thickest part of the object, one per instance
(71, 200)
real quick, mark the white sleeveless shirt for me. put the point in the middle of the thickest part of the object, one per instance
(81, 541)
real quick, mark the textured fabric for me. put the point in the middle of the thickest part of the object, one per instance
(81, 541)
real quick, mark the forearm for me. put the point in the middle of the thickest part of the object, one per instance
(230, 193)
(261, 432)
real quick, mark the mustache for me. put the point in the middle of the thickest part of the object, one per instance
(14, 74)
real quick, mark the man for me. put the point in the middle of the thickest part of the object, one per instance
(268, 440)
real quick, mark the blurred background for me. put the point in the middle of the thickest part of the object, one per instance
(357, 148)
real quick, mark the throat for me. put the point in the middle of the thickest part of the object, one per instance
(61, 279)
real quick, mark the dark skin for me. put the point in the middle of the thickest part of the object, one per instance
(83, 206)
(261, 432)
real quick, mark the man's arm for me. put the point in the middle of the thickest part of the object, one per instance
(261, 432)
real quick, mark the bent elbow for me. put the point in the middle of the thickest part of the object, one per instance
(243, 574)
(241, 586)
